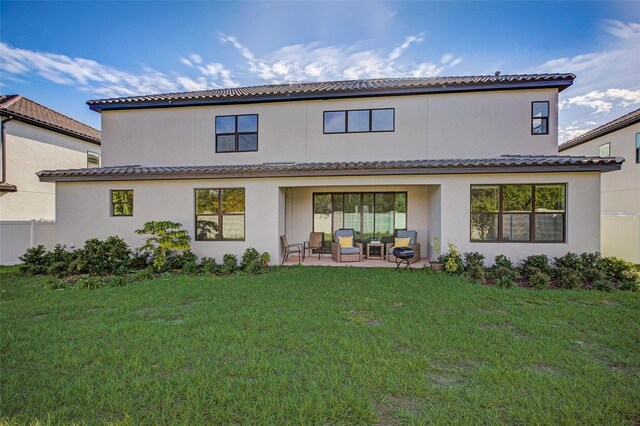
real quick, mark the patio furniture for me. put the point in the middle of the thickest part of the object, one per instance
(345, 254)
(379, 246)
(403, 256)
(316, 242)
(291, 248)
(413, 245)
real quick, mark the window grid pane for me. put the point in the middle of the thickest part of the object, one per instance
(358, 121)
(220, 214)
(335, 121)
(382, 120)
(237, 133)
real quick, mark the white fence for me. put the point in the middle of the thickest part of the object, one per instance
(17, 236)
(620, 236)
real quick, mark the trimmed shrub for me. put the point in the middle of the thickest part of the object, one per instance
(266, 258)
(475, 272)
(504, 273)
(139, 260)
(629, 285)
(178, 261)
(452, 261)
(590, 260)
(540, 280)
(503, 261)
(248, 257)
(591, 275)
(58, 269)
(569, 261)
(616, 268)
(473, 259)
(229, 264)
(534, 264)
(505, 283)
(104, 257)
(208, 265)
(568, 277)
(34, 261)
(255, 267)
(603, 285)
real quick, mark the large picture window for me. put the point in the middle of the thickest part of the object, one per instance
(237, 133)
(359, 121)
(518, 213)
(122, 202)
(372, 215)
(219, 214)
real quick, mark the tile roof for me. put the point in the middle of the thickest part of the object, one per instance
(610, 127)
(334, 89)
(505, 164)
(7, 187)
(32, 112)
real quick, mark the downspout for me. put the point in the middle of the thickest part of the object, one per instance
(4, 149)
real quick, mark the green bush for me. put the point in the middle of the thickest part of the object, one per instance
(104, 257)
(165, 238)
(143, 275)
(473, 259)
(590, 260)
(614, 267)
(229, 264)
(118, 282)
(604, 285)
(540, 280)
(629, 285)
(504, 273)
(452, 261)
(178, 261)
(256, 266)
(568, 277)
(58, 269)
(592, 275)
(139, 260)
(35, 261)
(569, 261)
(89, 283)
(266, 258)
(53, 285)
(503, 261)
(475, 272)
(505, 282)
(248, 257)
(209, 265)
(534, 264)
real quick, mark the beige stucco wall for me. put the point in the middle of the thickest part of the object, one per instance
(30, 149)
(438, 205)
(454, 125)
(620, 189)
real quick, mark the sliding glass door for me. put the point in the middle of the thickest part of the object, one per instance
(372, 215)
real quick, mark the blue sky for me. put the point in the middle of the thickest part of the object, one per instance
(64, 53)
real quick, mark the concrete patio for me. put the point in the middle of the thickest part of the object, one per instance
(326, 260)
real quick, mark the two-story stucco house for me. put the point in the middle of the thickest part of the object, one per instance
(469, 160)
(620, 191)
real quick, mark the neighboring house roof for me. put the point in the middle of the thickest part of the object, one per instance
(7, 187)
(339, 89)
(612, 126)
(503, 164)
(31, 112)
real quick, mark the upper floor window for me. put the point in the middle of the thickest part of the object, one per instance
(604, 150)
(122, 202)
(219, 214)
(93, 159)
(637, 147)
(237, 133)
(359, 121)
(518, 213)
(540, 118)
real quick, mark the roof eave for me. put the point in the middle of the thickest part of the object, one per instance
(25, 119)
(560, 84)
(46, 176)
(598, 134)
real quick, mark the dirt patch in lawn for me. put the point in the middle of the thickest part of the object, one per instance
(365, 318)
(391, 406)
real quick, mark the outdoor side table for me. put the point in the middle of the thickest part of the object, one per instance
(375, 256)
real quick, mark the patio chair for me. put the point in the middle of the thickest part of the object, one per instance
(316, 242)
(345, 254)
(413, 244)
(291, 248)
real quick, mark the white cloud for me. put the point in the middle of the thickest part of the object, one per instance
(446, 58)
(318, 62)
(195, 58)
(106, 81)
(603, 101)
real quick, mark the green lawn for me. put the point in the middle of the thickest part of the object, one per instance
(313, 345)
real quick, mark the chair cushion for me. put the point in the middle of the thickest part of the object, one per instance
(344, 233)
(402, 242)
(349, 250)
(345, 242)
(413, 235)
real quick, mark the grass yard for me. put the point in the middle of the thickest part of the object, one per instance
(317, 345)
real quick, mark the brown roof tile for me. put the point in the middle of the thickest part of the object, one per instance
(39, 115)
(617, 124)
(505, 163)
(334, 89)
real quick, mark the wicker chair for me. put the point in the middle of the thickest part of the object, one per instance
(291, 248)
(413, 244)
(316, 242)
(346, 254)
